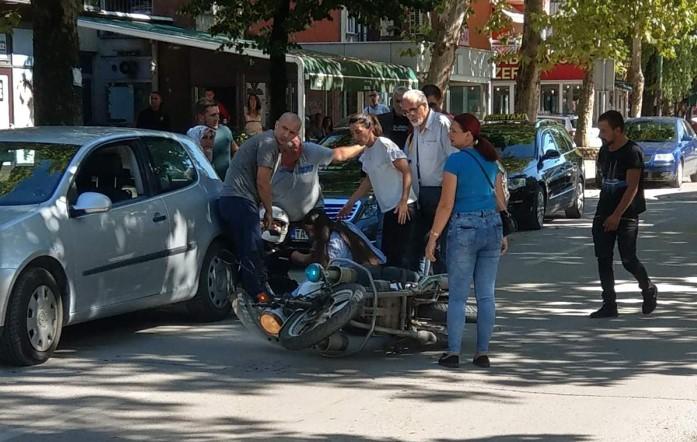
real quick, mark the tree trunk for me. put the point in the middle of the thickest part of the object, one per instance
(585, 109)
(528, 82)
(277, 60)
(447, 28)
(636, 77)
(56, 53)
(649, 97)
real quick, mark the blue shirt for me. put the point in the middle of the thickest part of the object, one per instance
(473, 190)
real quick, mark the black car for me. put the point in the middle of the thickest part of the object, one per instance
(545, 170)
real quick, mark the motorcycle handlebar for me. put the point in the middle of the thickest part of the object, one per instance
(341, 275)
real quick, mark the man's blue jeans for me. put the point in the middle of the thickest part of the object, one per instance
(241, 220)
(474, 250)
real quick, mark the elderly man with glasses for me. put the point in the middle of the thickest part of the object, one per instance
(427, 149)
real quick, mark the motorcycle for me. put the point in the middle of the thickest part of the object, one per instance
(347, 303)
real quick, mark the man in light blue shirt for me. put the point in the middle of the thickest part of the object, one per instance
(374, 106)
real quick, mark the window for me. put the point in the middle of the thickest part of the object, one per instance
(502, 100)
(548, 143)
(563, 142)
(112, 171)
(549, 98)
(170, 164)
(466, 99)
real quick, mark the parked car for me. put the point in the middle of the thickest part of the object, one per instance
(545, 170)
(670, 148)
(338, 182)
(568, 121)
(96, 222)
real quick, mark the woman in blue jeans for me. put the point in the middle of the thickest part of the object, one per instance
(471, 200)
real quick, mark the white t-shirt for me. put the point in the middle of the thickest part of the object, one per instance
(429, 148)
(377, 162)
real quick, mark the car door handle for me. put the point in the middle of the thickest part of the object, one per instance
(158, 217)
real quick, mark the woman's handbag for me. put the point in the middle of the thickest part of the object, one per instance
(508, 224)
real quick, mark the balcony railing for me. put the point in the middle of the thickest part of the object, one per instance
(122, 6)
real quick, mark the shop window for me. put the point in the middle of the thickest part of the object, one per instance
(502, 100)
(549, 99)
(466, 99)
(570, 97)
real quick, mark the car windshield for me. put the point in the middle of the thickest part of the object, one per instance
(512, 141)
(650, 131)
(30, 172)
(339, 179)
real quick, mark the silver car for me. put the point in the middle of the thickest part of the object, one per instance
(96, 222)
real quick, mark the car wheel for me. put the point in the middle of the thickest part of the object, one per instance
(34, 319)
(677, 181)
(576, 210)
(216, 282)
(536, 218)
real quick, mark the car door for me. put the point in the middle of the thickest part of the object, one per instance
(552, 170)
(689, 149)
(175, 180)
(570, 166)
(120, 255)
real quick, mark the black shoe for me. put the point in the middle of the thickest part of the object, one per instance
(450, 361)
(482, 361)
(606, 311)
(650, 296)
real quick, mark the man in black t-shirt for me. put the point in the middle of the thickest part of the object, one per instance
(395, 125)
(153, 117)
(621, 163)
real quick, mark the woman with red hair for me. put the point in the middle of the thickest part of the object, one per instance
(470, 202)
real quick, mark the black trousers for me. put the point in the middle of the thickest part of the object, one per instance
(399, 241)
(626, 238)
(429, 197)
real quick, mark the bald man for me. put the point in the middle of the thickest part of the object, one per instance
(247, 185)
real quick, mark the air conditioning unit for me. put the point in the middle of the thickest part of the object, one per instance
(127, 68)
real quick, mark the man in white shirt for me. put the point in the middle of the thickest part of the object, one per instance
(374, 106)
(427, 149)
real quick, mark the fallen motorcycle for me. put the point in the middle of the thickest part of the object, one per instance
(346, 302)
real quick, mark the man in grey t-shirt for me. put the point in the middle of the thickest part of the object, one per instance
(296, 187)
(247, 184)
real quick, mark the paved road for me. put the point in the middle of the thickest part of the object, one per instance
(556, 376)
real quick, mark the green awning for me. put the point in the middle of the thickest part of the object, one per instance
(327, 72)
(324, 72)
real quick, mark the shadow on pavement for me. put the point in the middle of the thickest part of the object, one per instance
(156, 365)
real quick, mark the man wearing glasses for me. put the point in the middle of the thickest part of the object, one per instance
(374, 106)
(427, 149)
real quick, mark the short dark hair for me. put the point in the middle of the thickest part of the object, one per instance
(156, 93)
(431, 90)
(614, 119)
(203, 104)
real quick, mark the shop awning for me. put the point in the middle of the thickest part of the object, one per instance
(327, 72)
(324, 72)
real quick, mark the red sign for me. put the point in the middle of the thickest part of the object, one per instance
(509, 71)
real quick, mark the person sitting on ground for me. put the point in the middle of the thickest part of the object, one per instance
(336, 239)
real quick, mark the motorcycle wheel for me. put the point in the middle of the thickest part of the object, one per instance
(438, 312)
(306, 328)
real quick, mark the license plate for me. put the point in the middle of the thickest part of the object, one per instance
(298, 235)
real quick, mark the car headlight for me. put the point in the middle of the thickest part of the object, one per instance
(664, 157)
(516, 183)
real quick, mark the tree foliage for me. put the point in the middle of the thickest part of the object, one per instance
(268, 25)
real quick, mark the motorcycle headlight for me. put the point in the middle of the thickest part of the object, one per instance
(664, 157)
(271, 321)
(313, 272)
(516, 183)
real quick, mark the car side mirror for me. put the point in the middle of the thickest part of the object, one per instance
(90, 202)
(551, 155)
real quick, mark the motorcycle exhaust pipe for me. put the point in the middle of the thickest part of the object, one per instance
(334, 343)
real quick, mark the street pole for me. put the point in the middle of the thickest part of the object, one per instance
(659, 92)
